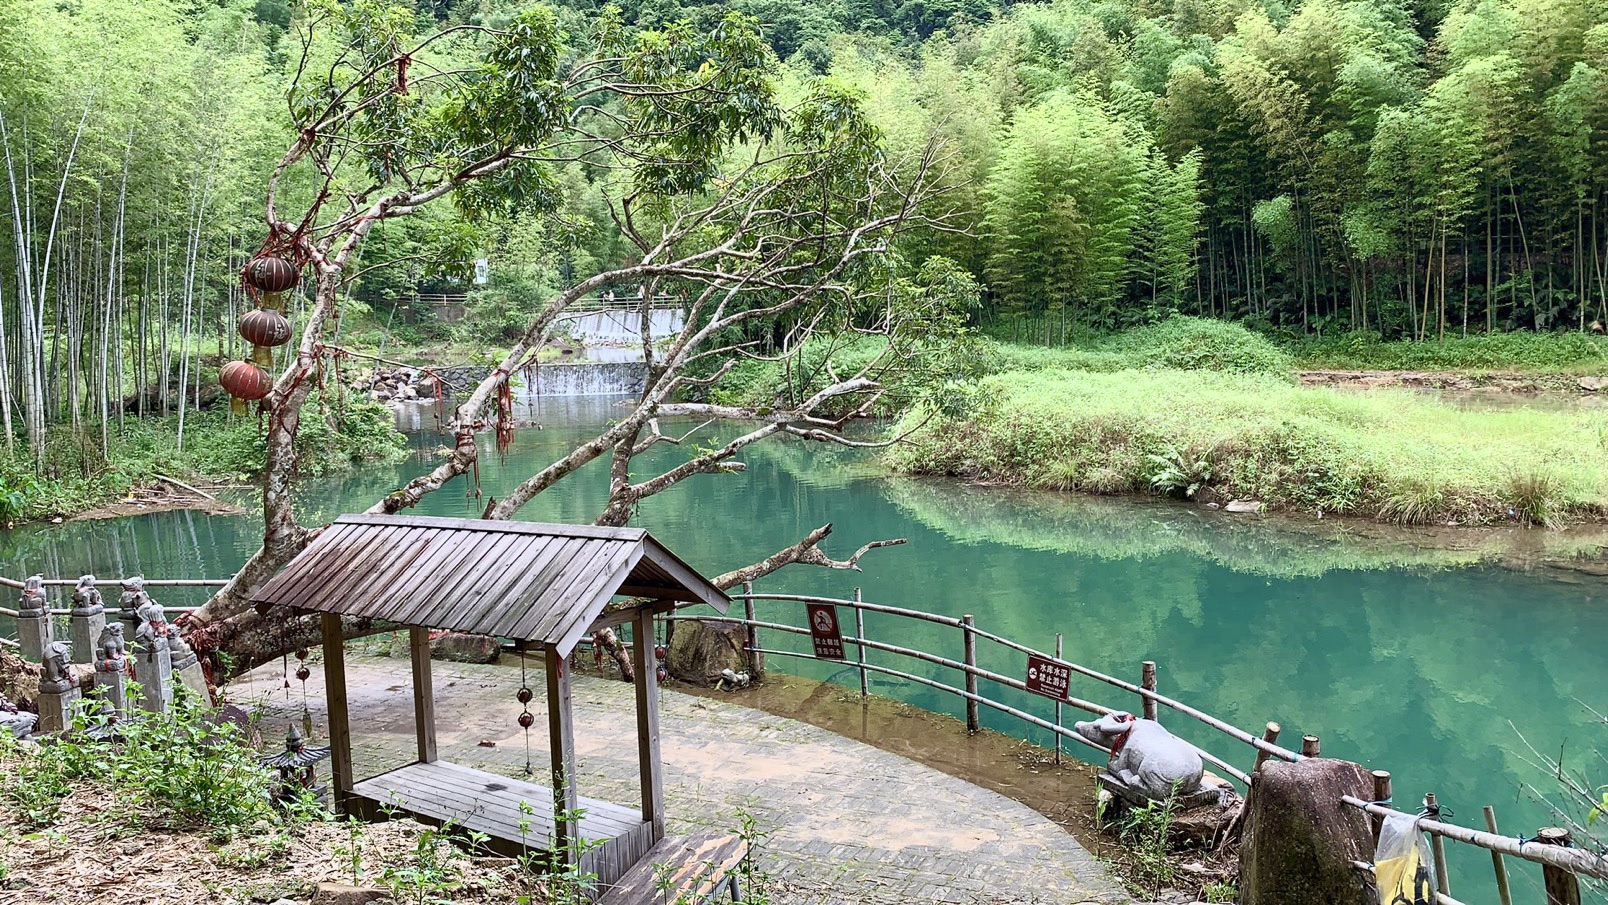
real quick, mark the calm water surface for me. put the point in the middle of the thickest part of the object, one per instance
(1398, 660)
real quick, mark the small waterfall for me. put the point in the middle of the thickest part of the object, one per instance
(622, 326)
(602, 378)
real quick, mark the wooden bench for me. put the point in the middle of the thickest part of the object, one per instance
(683, 870)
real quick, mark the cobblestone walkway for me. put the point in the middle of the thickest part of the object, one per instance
(845, 821)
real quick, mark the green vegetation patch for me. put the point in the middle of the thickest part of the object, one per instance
(1548, 353)
(1389, 455)
(77, 474)
(1179, 343)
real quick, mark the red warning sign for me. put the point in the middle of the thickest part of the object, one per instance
(1048, 677)
(825, 631)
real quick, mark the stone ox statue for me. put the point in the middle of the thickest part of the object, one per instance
(1145, 757)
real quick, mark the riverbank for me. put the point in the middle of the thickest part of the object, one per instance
(1244, 440)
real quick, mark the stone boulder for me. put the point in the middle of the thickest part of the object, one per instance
(464, 648)
(1299, 841)
(701, 649)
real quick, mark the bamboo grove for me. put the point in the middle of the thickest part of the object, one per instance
(1414, 168)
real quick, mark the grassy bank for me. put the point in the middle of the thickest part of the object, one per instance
(1531, 353)
(77, 475)
(1209, 435)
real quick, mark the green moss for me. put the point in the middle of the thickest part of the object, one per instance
(1390, 455)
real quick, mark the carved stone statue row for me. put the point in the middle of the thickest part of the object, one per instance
(161, 657)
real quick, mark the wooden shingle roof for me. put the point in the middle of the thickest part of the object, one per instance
(521, 580)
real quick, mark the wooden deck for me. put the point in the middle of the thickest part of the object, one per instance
(440, 792)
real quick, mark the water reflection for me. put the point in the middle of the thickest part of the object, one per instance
(1401, 656)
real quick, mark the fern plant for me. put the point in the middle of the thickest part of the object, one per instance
(1179, 473)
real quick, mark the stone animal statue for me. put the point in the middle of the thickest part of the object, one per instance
(113, 647)
(128, 602)
(57, 677)
(86, 597)
(18, 722)
(153, 629)
(33, 602)
(1146, 757)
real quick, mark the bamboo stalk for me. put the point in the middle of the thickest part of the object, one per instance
(1574, 860)
(1147, 681)
(1269, 735)
(1497, 863)
(1437, 847)
(1310, 746)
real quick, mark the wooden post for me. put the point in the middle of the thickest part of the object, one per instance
(859, 634)
(1381, 795)
(1563, 887)
(756, 662)
(1496, 860)
(423, 693)
(647, 713)
(1437, 847)
(340, 727)
(1310, 746)
(1059, 650)
(970, 640)
(1269, 735)
(1147, 681)
(561, 742)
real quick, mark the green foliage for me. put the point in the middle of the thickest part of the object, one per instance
(178, 770)
(1178, 343)
(1396, 456)
(1519, 351)
(1180, 473)
(430, 875)
(1144, 834)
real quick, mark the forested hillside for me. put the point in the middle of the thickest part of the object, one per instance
(1418, 169)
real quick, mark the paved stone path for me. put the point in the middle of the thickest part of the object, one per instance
(846, 822)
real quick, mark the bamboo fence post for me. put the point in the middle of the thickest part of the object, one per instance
(1271, 736)
(970, 639)
(1496, 860)
(755, 663)
(1147, 681)
(1437, 847)
(1563, 887)
(859, 645)
(1310, 746)
(1058, 651)
(1381, 793)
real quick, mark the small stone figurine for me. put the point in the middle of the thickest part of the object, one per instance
(128, 602)
(18, 723)
(296, 767)
(57, 678)
(153, 630)
(88, 619)
(33, 604)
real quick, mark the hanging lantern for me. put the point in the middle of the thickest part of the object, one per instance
(271, 274)
(265, 327)
(245, 380)
(526, 720)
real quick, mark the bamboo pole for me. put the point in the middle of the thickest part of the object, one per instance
(1269, 735)
(1310, 746)
(1059, 649)
(1437, 846)
(973, 724)
(1497, 863)
(859, 645)
(1381, 793)
(755, 662)
(1147, 681)
(1573, 860)
(1563, 887)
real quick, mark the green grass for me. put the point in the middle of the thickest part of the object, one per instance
(1393, 456)
(1528, 352)
(76, 475)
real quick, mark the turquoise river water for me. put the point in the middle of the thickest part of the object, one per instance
(1437, 666)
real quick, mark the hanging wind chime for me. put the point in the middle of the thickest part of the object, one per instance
(526, 719)
(302, 673)
(269, 279)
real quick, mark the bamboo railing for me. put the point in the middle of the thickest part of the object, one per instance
(1562, 863)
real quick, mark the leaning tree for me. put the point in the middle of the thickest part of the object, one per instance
(769, 218)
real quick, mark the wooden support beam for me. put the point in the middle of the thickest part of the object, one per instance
(647, 714)
(340, 727)
(561, 742)
(423, 693)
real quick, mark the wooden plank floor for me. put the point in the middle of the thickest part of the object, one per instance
(491, 804)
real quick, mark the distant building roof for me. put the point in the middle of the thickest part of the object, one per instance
(520, 580)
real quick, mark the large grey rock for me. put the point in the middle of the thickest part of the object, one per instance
(1299, 840)
(701, 650)
(463, 648)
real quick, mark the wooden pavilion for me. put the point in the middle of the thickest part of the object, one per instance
(540, 585)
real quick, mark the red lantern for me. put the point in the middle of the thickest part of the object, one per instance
(245, 380)
(265, 327)
(271, 274)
